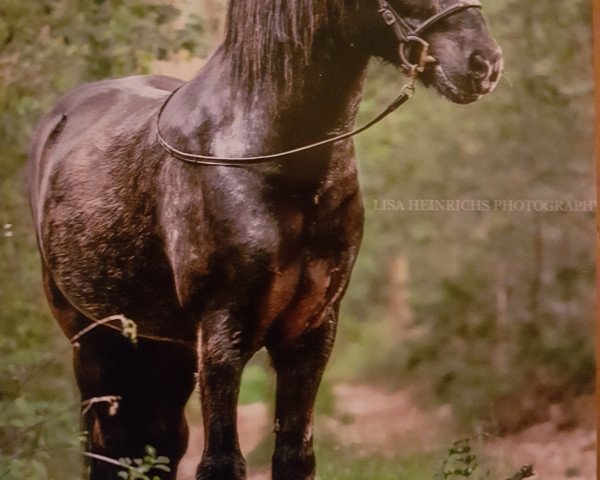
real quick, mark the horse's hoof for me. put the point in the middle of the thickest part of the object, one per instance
(223, 467)
(293, 464)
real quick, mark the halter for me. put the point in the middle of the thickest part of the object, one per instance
(406, 34)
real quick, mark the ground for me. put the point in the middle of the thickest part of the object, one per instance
(372, 421)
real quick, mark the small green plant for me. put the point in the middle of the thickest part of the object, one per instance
(141, 468)
(461, 462)
(525, 472)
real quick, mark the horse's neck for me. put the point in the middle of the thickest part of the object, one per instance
(322, 103)
(326, 99)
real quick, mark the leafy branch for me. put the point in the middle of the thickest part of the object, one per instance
(137, 468)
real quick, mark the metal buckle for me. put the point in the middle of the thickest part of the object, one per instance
(388, 16)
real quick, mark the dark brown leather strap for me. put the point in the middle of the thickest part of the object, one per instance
(447, 12)
(406, 94)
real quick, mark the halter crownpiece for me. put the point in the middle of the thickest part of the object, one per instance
(408, 34)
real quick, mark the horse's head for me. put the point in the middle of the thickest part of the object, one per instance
(463, 61)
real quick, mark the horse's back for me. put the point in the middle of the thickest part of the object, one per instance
(91, 117)
(93, 170)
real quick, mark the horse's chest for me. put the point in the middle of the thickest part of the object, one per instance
(298, 296)
(301, 292)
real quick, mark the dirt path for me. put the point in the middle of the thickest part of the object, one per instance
(555, 454)
(371, 420)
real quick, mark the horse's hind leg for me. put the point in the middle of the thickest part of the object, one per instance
(153, 381)
(299, 370)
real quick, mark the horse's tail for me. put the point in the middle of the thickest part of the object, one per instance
(46, 133)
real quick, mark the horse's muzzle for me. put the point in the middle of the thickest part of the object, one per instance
(485, 70)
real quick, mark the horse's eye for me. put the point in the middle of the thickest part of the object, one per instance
(431, 7)
(420, 8)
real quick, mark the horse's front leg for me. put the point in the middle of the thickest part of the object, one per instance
(299, 370)
(221, 363)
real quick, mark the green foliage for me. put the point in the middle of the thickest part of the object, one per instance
(38, 402)
(461, 462)
(47, 47)
(141, 468)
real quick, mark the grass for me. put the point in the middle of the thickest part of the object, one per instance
(338, 463)
(335, 462)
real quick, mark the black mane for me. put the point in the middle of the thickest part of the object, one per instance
(270, 40)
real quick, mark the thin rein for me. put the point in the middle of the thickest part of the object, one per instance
(405, 95)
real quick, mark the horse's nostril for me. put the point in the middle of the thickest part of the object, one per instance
(497, 70)
(480, 66)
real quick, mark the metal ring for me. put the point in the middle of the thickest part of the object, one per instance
(408, 90)
(408, 66)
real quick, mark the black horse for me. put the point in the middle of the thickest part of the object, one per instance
(213, 262)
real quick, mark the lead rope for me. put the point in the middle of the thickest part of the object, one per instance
(405, 95)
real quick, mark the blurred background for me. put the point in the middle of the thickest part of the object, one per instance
(463, 320)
